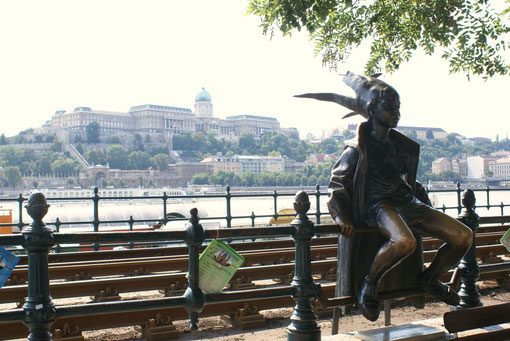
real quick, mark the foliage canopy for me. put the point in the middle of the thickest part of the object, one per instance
(470, 33)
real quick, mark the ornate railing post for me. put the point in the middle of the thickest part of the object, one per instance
(459, 198)
(194, 296)
(38, 239)
(228, 196)
(318, 204)
(95, 222)
(469, 270)
(303, 324)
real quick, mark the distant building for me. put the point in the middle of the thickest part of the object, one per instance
(245, 163)
(459, 166)
(159, 122)
(258, 164)
(183, 172)
(291, 165)
(501, 154)
(441, 165)
(480, 140)
(500, 168)
(225, 163)
(477, 166)
(421, 132)
(320, 158)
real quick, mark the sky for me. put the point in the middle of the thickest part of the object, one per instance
(115, 54)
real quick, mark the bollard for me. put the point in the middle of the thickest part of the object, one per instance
(38, 239)
(303, 326)
(468, 267)
(194, 296)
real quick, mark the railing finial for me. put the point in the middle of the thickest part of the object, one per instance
(37, 206)
(301, 203)
(468, 199)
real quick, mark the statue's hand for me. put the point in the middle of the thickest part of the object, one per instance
(346, 227)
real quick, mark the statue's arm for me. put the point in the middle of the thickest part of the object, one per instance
(341, 188)
(421, 194)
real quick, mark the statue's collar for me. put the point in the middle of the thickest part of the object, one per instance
(363, 131)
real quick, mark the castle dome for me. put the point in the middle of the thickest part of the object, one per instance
(203, 96)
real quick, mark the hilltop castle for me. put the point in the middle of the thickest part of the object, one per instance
(158, 122)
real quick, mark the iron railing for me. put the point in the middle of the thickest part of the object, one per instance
(319, 197)
(39, 312)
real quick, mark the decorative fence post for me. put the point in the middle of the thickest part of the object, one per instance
(469, 270)
(228, 196)
(38, 239)
(303, 324)
(95, 222)
(318, 204)
(194, 296)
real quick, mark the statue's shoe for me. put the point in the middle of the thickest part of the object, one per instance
(368, 304)
(439, 290)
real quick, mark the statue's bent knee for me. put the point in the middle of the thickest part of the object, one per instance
(405, 246)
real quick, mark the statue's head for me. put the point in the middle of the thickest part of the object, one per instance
(384, 107)
(375, 99)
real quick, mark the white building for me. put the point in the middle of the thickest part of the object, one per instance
(500, 168)
(258, 164)
(421, 132)
(475, 167)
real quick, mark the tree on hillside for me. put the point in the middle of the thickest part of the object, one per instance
(138, 144)
(183, 141)
(65, 166)
(95, 157)
(114, 139)
(200, 179)
(470, 34)
(10, 156)
(13, 176)
(429, 134)
(79, 147)
(117, 156)
(3, 140)
(44, 165)
(160, 161)
(92, 130)
(247, 143)
(452, 139)
(56, 146)
(139, 160)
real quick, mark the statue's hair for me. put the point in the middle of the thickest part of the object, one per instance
(368, 90)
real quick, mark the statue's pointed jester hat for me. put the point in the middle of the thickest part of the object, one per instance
(366, 89)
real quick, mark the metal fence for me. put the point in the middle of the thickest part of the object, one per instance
(39, 312)
(318, 196)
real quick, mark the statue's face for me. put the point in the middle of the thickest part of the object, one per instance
(387, 109)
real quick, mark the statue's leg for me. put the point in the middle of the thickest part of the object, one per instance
(400, 244)
(457, 238)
